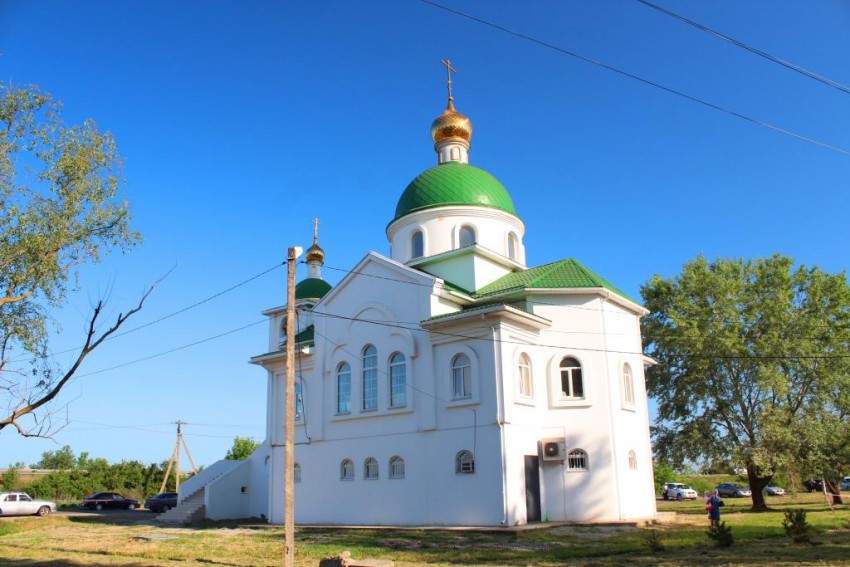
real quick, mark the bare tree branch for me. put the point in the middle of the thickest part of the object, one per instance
(93, 340)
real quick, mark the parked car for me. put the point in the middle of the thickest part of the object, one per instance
(774, 490)
(682, 492)
(666, 489)
(734, 490)
(22, 504)
(103, 500)
(845, 483)
(162, 502)
(813, 484)
(678, 491)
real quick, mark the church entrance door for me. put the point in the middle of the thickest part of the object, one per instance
(532, 488)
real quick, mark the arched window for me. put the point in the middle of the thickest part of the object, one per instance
(577, 460)
(461, 377)
(464, 463)
(396, 467)
(398, 381)
(572, 384)
(455, 154)
(628, 385)
(299, 402)
(297, 472)
(370, 469)
(466, 237)
(343, 388)
(526, 385)
(370, 378)
(632, 460)
(417, 243)
(513, 246)
(346, 470)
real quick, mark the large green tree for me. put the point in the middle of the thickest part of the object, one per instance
(60, 208)
(60, 459)
(241, 449)
(753, 365)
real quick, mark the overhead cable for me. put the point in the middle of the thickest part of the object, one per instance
(802, 70)
(711, 105)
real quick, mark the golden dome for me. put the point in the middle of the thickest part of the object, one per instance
(451, 124)
(315, 253)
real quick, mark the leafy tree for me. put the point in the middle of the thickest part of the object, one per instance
(9, 479)
(60, 209)
(61, 459)
(663, 473)
(753, 365)
(242, 448)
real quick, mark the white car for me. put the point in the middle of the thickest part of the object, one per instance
(845, 483)
(22, 504)
(679, 491)
(775, 491)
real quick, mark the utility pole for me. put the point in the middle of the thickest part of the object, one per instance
(175, 460)
(289, 439)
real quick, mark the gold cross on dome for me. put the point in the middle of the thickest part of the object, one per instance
(315, 230)
(449, 69)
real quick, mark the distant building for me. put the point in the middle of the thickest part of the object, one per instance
(449, 383)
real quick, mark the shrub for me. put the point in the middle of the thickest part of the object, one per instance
(797, 527)
(721, 534)
(653, 541)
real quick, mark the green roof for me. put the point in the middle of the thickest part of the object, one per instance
(567, 273)
(311, 288)
(454, 184)
(305, 336)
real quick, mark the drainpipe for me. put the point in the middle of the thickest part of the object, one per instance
(500, 416)
(611, 406)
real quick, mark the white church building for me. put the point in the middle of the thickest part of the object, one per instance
(449, 383)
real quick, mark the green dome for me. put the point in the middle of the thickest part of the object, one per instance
(311, 288)
(454, 183)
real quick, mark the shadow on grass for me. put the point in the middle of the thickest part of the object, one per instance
(64, 563)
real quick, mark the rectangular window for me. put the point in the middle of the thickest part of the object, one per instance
(370, 389)
(578, 384)
(370, 379)
(398, 384)
(462, 382)
(343, 390)
(299, 403)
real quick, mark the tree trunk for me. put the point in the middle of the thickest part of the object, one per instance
(757, 484)
(833, 491)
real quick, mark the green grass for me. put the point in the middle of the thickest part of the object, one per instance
(759, 538)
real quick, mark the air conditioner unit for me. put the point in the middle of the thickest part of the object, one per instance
(553, 449)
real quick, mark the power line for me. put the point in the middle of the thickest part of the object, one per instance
(430, 286)
(713, 106)
(803, 71)
(537, 302)
(571, 347)
(183, 347)
(183, 310)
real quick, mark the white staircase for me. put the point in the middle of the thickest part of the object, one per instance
(191, 502)
(190, 510)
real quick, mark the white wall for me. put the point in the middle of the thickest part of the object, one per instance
(225, 498)
(430, 430)
(440, 227)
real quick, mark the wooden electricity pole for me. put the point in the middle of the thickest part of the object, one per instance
(175, 460)
(289, 439)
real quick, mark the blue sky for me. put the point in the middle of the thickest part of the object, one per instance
(241, 121)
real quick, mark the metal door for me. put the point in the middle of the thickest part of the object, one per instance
(532, 488)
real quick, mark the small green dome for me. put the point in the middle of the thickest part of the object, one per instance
(311, 288)
(454, 183)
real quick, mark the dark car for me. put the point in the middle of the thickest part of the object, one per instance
(162, 502)
(103, 500)
(734, 490)
(813, 484)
